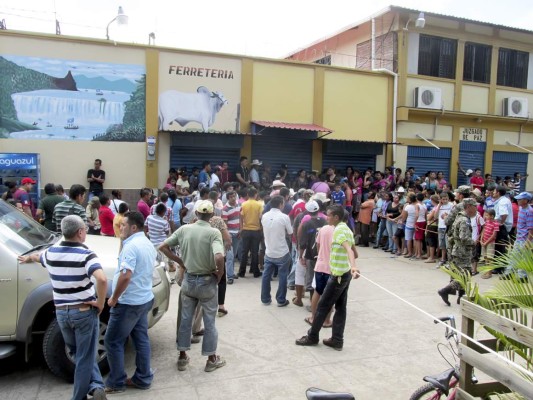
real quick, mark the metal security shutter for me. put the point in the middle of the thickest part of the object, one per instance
(471, 156)
(341, 161)
(194, 156)
(506, 164)
(283, 148)
(425, 159)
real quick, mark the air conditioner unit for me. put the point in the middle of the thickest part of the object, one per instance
(515, 107)
(428, 97)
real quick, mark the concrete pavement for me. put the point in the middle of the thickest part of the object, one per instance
(388, 346)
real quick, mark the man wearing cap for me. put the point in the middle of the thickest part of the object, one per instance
(461, 233)
(202, 253)
(401, 194)
(524, 234)
(22, 197)
(276, 227)
(461, 193)
(254, 173)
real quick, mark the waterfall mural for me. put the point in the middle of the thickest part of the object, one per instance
(45, 98)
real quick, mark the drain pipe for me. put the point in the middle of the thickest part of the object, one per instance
(394, 107)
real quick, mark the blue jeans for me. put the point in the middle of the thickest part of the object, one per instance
(382, 225)
(231, 254)
(291, 280)
(282, 263)
(127, 320)
(335, 294)
(391, 230)
(200, 289)
(80, 333)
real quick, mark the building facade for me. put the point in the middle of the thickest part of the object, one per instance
(464, 89)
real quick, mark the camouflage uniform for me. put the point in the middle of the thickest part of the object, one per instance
(463, 247)
(450, 219)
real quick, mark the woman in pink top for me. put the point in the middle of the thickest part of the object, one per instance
(324, 238)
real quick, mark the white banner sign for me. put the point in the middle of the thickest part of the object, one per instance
(473, 134)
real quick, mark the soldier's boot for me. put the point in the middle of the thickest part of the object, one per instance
(445, 292)
(459, 295)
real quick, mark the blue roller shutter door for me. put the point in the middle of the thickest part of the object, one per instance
(283, 148)
(507, 163)
(425, 159)
(341, 161)
(194, 156)
(471, 156)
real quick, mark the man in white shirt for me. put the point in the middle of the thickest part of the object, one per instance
(504, 215)
(276, 227)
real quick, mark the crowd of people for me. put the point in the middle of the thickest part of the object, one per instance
(302, 229)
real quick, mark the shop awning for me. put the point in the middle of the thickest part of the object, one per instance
(294, 126)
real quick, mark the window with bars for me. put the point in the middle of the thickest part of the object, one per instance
(437, 56)
(324, 60)
(512, 68)
(477, 62)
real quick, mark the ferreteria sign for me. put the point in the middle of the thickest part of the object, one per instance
(473, 134)
(199, 93)
(200, 72)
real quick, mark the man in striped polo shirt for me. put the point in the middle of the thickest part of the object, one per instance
(70, 206)
(71, 266)
(231, 216)
(343, 270)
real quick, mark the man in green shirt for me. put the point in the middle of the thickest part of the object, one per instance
(46, 206)
(343, 270)
(202, 254)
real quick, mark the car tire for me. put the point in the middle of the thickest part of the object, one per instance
(61, 363)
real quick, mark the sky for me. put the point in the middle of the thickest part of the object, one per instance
(271, 28)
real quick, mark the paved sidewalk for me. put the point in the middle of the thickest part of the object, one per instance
(388, 345)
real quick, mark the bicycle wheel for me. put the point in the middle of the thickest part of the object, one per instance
(426, 392)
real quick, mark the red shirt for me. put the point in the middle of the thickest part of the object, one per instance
(106, 221)
(489, 228)
(477, 182)
(143, 208)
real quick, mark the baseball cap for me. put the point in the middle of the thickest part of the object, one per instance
(25, 181)
(524, 195)
(204, 207)
(469, 202)
(469, 171)
(463, 189)
(312, 206)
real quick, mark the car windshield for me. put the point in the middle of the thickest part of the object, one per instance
(19, 232)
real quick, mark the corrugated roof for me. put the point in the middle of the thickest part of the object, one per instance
(290, 125)
(212, 133)
(408, 10)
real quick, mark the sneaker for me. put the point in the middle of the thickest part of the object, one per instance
(212, 365)
(486, 275)
(99, 394)
(285, 303)
(183, 363)
(305, 341)
(230, 281)
(267, 303)
(331, 343)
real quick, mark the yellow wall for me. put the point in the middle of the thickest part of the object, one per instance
(67, 162)
(409, 130)
(524, 140)
(282, 92)
(356, 105)
(475, 99)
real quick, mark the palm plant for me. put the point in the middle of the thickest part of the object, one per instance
(511, 298)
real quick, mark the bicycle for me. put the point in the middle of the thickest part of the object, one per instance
(446, 382)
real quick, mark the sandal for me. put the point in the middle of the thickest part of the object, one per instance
(131, 384)
(297, 302)
(308, 320)
(222, 312)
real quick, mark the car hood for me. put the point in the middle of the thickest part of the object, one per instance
(107, 250)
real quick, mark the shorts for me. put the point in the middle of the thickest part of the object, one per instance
(299, 276)
(442, 238)
(420, 230)
(432, 236)
(321, 280)
(400, 233)
(409, 233)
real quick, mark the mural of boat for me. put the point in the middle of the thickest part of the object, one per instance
(99, 92)
(70, 124)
